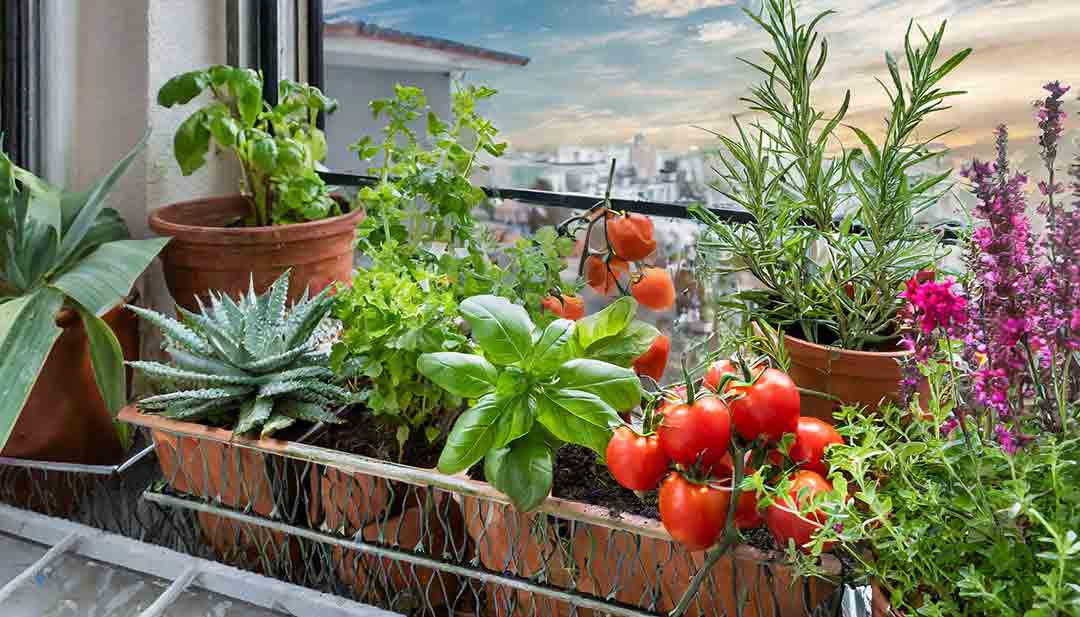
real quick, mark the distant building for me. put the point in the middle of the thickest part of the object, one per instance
(643, 158)
(365, 62)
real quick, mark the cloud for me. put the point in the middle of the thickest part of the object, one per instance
(563, 45)
(675, 8)
(718, 31)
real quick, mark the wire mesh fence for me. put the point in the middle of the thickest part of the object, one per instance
(406, 539)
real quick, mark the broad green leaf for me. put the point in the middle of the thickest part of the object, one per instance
(28, 332)
(224, 130)
(625, 347)
(578, 417)
(472, 436)
(247, 87)
(607, 322)
(182, 88)
(264, 153)
(516, 417)
(461, 374)
(503, 329)
(104, 278)
(553, 347)
(107, 358)
(191, 143)
(522, 470)
(618, 387)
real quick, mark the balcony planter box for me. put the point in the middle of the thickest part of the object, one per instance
(207, 253)
(563, 544)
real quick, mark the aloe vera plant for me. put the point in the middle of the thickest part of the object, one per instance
(252, 364)
(61, 250)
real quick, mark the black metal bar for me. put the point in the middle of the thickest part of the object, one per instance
(19, 81)
(232, 32)
(316, 68)
(269, 33)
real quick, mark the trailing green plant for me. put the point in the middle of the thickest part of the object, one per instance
(62, 250)
(277, 145)
(531, 392)
(835, 235)
(252, 364)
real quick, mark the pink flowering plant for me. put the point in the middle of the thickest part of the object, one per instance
(965, 502)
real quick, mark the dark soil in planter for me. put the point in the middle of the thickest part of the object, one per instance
(363, 434)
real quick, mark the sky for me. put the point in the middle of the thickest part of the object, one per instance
(603, 70)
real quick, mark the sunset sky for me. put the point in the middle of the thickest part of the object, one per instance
(602, 70)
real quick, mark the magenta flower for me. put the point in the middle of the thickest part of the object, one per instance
(935, 304)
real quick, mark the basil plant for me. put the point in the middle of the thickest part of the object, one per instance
(533, 390)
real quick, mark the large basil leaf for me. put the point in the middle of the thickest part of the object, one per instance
(191, 143)
(516, 417)
(182, 88)
(461, 374)
(472, 436)
(607, 322)
(617, 386)
(553, 347)
(577, 417)
(28, 332)
(522, 470)
(626, 346)
(502, 328)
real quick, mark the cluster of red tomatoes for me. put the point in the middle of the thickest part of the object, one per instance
(692, 446)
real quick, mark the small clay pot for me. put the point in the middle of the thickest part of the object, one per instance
(206, 253)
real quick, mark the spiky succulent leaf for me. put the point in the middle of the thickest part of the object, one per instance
(173, 331)
(254, 413)
(277, 422)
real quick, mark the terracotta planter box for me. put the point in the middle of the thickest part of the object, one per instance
(205, 254)
(64, 419)
(563, 544)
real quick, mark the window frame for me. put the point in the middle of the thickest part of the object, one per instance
(20, 82)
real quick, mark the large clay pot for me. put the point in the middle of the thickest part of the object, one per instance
(855, 377)
(64, 419)
(206, 253)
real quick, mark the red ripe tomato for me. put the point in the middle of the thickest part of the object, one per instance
(602, 276)
(811, 438)
(769, 407)
(694, 514)
(654, 290)
(631, 236)
(701, 431)
(654, 361)
(636, 462)
(747, 515)
(567, 307)
(717, 371)
(783, 518)
(666, 404)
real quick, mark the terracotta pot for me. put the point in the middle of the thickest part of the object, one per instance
(633, 561)
(199, 460)
(879, 602)
(205, 254)
(855, 377)
(355, 502)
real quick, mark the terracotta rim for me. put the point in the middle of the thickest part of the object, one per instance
(166, 225)
(830, 349)
(68, 317)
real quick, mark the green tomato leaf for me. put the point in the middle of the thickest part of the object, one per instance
(625, 347)
(618, 387)
(553, 347)
(578, 417)
(522, 470)
(460, 374)
(612, 320)
(472, 436)
(191, 143)
(502, 328)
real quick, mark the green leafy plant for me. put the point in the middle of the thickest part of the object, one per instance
(531, 394)
(61, 250)
(394, 311)
(252, 364)
(277, 146)
(835, 235)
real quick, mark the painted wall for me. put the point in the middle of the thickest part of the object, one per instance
(354, 88)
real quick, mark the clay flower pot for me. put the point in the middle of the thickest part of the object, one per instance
(207, 254)
(855, 377)
(65, 420)
(357, 504)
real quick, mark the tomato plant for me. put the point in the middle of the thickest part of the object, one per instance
(654, 289)
(603, 275)
(812, 437)
(696, 432)
(654, 361)
(694, 514)
(637, 462)
(717, 371)
(785, 518)
(767, 406)
(630, 236)
(566, 306)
